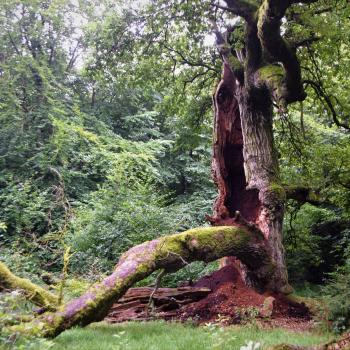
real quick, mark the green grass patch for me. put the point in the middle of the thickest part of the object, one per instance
(174, 336)
(160, 335)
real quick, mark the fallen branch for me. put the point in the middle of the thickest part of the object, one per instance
(36, 294)
(134, 305)
(304, 195)
(168, 253)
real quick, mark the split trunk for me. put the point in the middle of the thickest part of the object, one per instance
(245, 169)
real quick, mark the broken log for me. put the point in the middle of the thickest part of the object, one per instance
(134, 305)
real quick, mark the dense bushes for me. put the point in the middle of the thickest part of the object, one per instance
(316, 240)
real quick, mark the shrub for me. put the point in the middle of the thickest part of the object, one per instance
(337, 296)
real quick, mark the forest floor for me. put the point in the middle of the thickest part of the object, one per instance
(228, 317)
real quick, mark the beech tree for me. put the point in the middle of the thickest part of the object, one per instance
(260, 76)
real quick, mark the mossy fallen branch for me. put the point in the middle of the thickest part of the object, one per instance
(169, 253)
(36, 294)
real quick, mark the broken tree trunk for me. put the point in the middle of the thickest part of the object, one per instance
(262, 73)
(245, 170)
(135, 304)
(36, 294)
(169, 253)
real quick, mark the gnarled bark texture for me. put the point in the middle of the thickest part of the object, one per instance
(245, 164)
(169, 253)
(245, 169)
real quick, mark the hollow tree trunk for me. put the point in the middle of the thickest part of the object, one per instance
(245, 168)
(169, 253)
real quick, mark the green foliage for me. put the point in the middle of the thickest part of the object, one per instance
(314, 156)
(303, 251)
(337, 295)
(106, 131)
(112, 222)
(24, 263)
(188, 274)
(3, 226)
(13, 308)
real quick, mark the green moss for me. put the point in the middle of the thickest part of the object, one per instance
(278, 191)
(34, 293)
(262, 14)
(221, 238)
(170, 252)
(272, 75)
(267, 9)
(143, 270)
(234, 62)
(215, 242)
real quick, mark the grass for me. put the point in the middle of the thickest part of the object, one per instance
(159, 335)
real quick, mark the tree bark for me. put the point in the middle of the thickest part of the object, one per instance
(245, 168)
(169, 253)
(245, 164)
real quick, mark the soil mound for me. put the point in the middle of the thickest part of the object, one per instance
(229, 301)
(232, 300)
